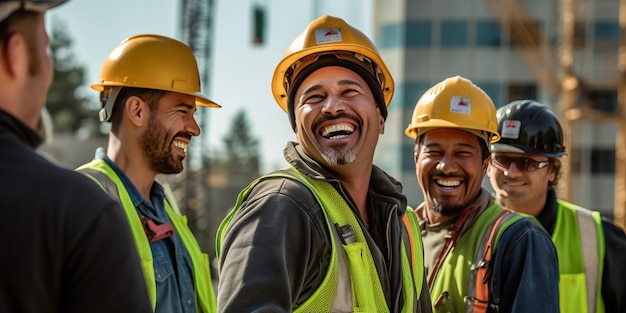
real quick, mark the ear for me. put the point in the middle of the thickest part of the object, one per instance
(551, 173)
(15, 56)
(137, 111)
(486, 165)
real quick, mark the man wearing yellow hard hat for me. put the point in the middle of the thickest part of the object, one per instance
(478, 256)
(149, 90)
(331, 233)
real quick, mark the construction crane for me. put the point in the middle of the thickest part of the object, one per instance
(196, 26)
(554, 70)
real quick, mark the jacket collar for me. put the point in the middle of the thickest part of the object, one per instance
(382, 186)
(25, 134)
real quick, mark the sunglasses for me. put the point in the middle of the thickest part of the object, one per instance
(503, 163)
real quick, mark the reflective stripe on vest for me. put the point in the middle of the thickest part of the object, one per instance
(105, 176)
(351, 283)
(579, 241)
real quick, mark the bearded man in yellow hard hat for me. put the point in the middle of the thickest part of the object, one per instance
(331, 233)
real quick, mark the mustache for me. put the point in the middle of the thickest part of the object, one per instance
(326, 118)
(183, 135)
(440, 174)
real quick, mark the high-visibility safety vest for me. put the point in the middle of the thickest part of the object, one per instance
(105, 176)
(579, 240)
(351, 283)
(455, 286)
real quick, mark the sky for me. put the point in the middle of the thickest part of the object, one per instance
(240, 73)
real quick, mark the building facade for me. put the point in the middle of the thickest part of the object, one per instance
(512, 50)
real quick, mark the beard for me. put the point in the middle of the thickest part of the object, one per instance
(446, 209)
(157, 148)
(339, 155)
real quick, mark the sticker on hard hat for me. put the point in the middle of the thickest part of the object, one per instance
(326, 35)
(510, 129)
(460, 105)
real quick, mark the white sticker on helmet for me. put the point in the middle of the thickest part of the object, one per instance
(510, 129)
(326, 35)
(460, 105)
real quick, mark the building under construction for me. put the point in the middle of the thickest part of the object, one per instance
(561, 53)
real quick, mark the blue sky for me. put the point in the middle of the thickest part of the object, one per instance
(240, 73)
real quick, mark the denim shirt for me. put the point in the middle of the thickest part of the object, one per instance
(173, 270)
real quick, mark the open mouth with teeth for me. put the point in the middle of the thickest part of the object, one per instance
(337, 131)
(180, 145)
(447, 183)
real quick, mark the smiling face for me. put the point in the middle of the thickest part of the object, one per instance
(337, 119)
(169, 131)
(520, 190)
(450, 169)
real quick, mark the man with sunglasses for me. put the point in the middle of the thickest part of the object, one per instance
(524, 172)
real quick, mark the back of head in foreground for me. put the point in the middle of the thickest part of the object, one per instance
(60, 251)
(26, 69)
(453, 124)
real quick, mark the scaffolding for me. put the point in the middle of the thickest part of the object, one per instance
(554, 70)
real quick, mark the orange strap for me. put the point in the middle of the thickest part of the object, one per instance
(482, 288)
(407, 225)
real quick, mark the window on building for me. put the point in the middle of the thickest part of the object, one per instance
(580, 33)
(493, 90)
(521, 92)
(608, 30)
(454, 33)
(602, 160)
(391, 36)
(525, 33)
(488, 34)
(604, 100)
(418, 34)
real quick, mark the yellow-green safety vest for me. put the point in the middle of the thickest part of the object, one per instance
(99, 171)
(455, 280)
(351, 283)
(579, 241)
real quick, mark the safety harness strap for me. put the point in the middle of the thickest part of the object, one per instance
(477, 299)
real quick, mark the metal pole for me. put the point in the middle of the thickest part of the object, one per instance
(569, 87)
(620, 144)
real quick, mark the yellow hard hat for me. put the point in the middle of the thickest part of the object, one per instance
(153, 62)
(346, 46)
(455, 103)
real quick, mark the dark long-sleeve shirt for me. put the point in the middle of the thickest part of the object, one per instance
(66, 246)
